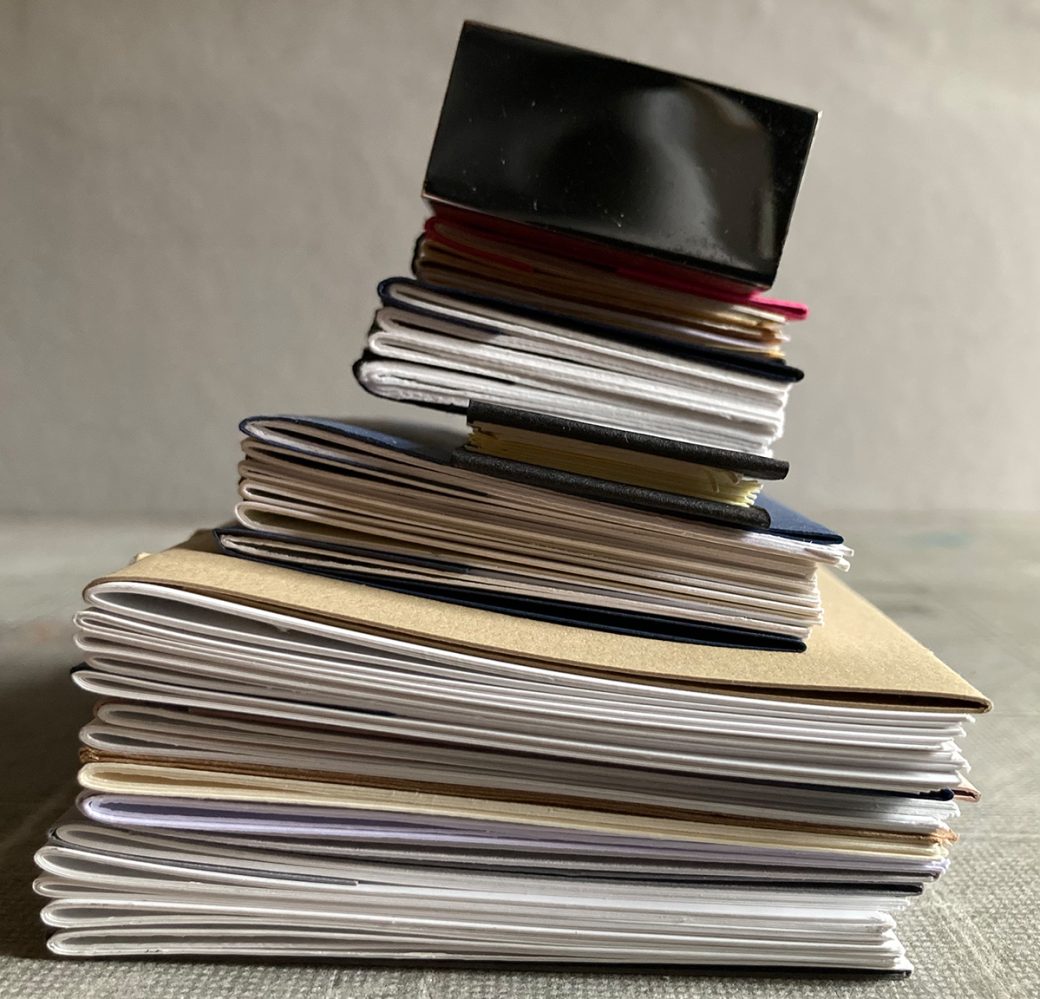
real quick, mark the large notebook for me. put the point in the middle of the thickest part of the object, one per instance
(860, 657)
(568, 690)
(293, 766)
(641, 470)
(513, 266)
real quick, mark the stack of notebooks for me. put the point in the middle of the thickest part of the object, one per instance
(564, 688)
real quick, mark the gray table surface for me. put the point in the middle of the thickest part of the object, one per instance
(965, 586)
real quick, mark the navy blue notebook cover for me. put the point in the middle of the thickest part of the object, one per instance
(784, 522)
(436, 446)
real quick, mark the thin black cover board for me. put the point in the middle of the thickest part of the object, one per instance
(609, 491)
(751, 465)
(639, 158)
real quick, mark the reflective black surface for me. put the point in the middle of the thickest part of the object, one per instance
(542, 133)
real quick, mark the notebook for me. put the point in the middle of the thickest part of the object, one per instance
(117, 893)
(625, 157)
(134, 731)
(442, 349)
(354, 503)
(860, 658)
(644, 470)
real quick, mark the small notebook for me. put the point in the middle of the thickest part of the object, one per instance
(442, 349)
(458, 255)
(134, 731)
(640, 470)
(651, 164)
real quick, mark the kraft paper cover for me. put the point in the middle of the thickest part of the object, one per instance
(857, 656)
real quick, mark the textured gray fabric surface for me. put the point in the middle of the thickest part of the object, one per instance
(968, 588)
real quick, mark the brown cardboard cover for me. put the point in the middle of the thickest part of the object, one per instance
(858, 656)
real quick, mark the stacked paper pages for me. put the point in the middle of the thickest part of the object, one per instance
(285, 764)
(560, 686)
(354, 503)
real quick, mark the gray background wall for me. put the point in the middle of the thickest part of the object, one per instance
(197, 199)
